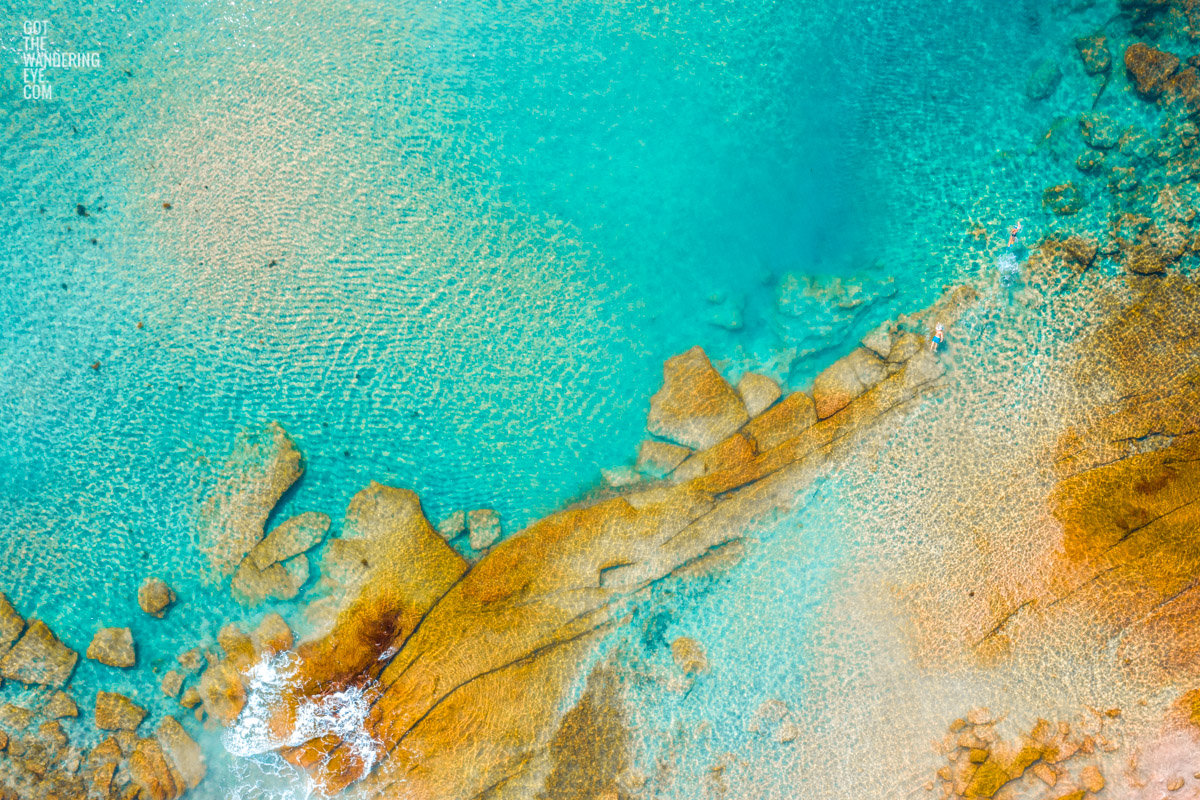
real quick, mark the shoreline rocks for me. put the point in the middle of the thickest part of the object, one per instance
(39, 657)
(846, 379)
(695, 407)
(297, 535)
(758, 392)
(116, 712)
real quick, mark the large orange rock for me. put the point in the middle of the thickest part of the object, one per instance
(695, 407)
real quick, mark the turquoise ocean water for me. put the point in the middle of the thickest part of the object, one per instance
(449, 245)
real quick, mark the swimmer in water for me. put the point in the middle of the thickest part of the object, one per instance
(1012, 233)
(939, 334)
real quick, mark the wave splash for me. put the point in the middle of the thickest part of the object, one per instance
(340, 713)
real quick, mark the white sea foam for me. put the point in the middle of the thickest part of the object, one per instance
(340, 713)
(1008, 267)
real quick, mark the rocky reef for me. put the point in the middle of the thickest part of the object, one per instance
(493, 675)
(474, 663)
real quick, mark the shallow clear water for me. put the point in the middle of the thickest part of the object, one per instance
(448, 246)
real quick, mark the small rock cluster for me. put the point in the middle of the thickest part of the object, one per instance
(277, 566)
(1053, 761)
(37, 759)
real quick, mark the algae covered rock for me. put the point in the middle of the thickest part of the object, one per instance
(1181, 94)
(39, 658)
(1099, 130)
(113, 647)
(116, 712)
(154, 595)
(1044, 80)
(264, 465)
(1149, 68)
(695, 407)
(1093, 51)
(1063, 199)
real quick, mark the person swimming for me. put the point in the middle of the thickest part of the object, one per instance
(939, 335)
(1012, 233)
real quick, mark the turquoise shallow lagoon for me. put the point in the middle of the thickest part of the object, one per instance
(448, 246)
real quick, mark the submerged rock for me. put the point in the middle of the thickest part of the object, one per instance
(15, 718)
(689, 655)
(846, 379)
(113, 647)
(222, 692)
(272, 636)
(291, 538)
(1181, 94)
(60, 705)
(1149, 69)
(483, 527)
(1090, 161)
(264, 465)
(172, 683)
(183, 751)
(658, 459)
(1063, 199)
(1044, 80)
(190, 697)
(1099, 130)
(695, 406)
(452, 526)
(1093, 51)
(154, 595)
(786, 420)
(11, 624)
(282, 581)
(116, 712)
(39, 658)
(154, 776)
(758, 392)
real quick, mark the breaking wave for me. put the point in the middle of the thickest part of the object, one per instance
(340, 713)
